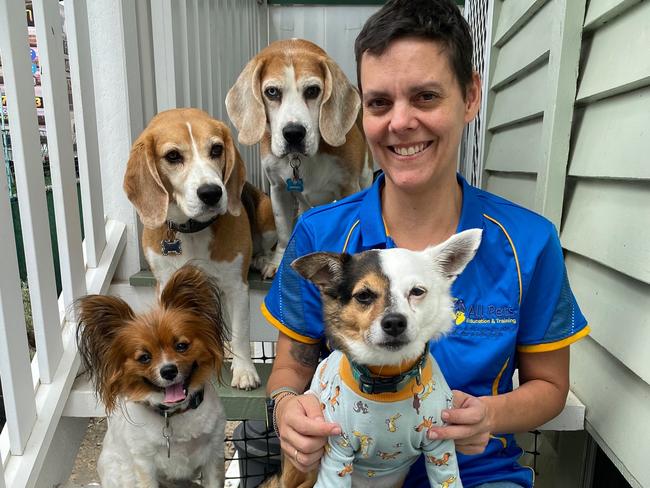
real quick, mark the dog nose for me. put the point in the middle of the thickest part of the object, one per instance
(393, 324)
(209, 194)
(169, 371)
(294, 133)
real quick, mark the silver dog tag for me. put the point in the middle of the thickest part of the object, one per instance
(167, 433)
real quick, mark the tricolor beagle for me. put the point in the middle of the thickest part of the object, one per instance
(298, 102)
(186, 180)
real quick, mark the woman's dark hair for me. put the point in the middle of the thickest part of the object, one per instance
(437, 20)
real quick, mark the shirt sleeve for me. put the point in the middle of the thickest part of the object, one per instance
(549, 317)
(441, 463)
(336, 465)
(293, 304)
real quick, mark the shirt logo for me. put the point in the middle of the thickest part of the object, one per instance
(483, 314)
(459, 310)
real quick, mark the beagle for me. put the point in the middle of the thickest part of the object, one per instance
(186, 179)
(298, 102)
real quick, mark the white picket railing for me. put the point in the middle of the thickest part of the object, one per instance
(147, 74)
(35, 394)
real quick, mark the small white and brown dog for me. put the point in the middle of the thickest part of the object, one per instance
(381, 308)
(298, 102)
(155, 374)
(186, 179)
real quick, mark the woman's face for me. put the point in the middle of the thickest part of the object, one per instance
(414, 112)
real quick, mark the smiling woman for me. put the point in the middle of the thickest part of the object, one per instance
(418, 93)
(414, 114)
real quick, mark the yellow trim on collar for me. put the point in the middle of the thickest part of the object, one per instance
(554, 346)
(502, 440)
(284, 329)
(385, 226)
(347, 239)
(514, 251)
(407, 392)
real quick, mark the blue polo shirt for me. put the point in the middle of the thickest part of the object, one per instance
(513, 296)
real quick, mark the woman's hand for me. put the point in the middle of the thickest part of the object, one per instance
(303, 430)
(467, 424)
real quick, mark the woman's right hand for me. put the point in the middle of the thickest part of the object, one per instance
(303, 430)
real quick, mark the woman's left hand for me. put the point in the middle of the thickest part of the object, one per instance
(467, 424)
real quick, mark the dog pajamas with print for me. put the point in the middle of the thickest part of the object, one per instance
(382, 437)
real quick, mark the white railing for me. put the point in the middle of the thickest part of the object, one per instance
(35, 394)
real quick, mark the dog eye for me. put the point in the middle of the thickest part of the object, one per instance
(365, 297)
(312, 92)
(174, 157)
(272, 93)
(216, 151)
(417, 291)
(182, 346)
(144, 358)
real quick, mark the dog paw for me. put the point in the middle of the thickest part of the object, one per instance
(244, 376)
(268, 271)
(265, 265)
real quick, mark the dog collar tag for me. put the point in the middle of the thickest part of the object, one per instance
(167, 433)
(171, 247)
(295, 184)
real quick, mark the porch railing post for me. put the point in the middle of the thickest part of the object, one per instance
(17, 387)
(47, 19)
(83, 99)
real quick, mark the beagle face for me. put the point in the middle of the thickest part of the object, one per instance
(292, 97)
(184, 166)
(294, 91)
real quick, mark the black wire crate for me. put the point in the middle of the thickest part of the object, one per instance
(255, 451)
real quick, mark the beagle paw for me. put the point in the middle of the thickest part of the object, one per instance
(268, 271)
(265, 266)
(244, 375)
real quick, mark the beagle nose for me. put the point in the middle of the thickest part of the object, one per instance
(393, 324)
(169, 371)
(294, 133)
(209, 194)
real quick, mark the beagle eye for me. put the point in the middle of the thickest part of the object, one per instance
(216, 151)
(144, 358)
(182, 346)
(311, 92)
(417, 291)
(365, 297)
(174, 157)
(272, 93)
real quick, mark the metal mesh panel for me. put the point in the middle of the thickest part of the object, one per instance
(471, 165)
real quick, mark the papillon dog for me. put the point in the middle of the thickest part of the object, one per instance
(381, 310)
(155, 372)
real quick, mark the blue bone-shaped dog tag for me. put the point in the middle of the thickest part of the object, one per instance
(171, 247)
(295, 184)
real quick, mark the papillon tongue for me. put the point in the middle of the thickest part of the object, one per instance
(174, 393)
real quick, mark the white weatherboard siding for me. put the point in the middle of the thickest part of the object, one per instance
(534, 68)
(618, 408)
(607, 235)
(516, 148)
(597, 142)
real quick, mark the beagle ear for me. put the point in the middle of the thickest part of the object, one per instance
(340, 105)
(245, 105)
(234, 175)
(142, 183)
